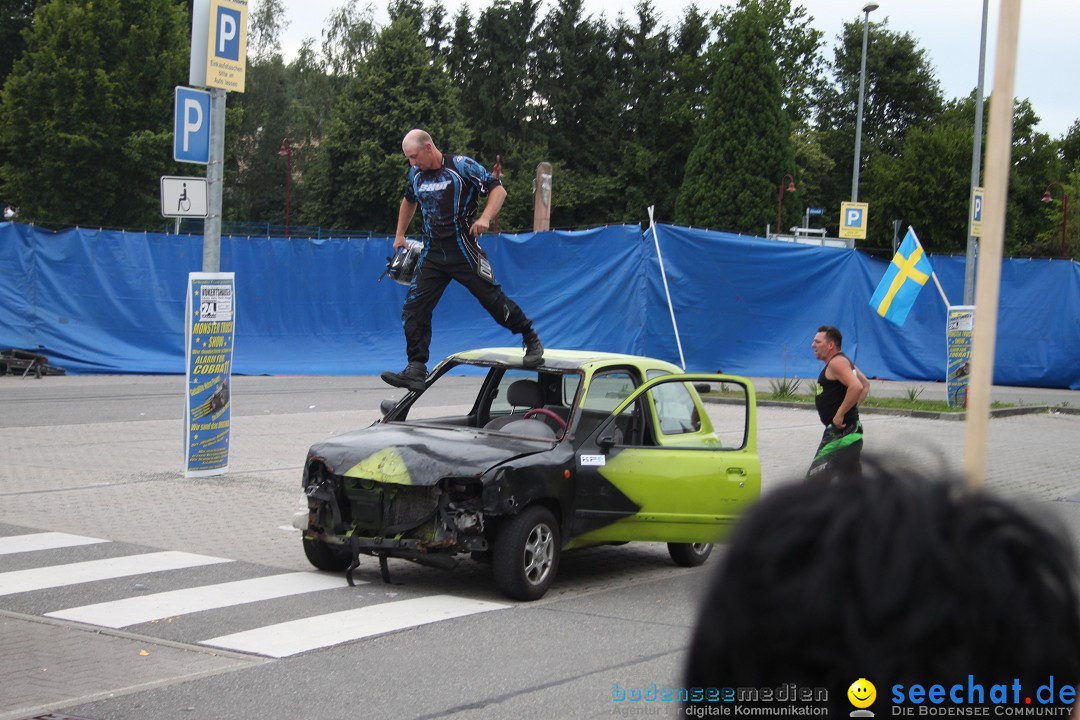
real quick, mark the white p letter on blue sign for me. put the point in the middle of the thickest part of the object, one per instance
(191, 142)
(228, 35)
(854, 217)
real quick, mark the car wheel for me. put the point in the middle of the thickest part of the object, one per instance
(689, 554)
(527, 550)
(325, 557)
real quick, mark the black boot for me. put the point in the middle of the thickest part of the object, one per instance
(534, 350)
(413, 377)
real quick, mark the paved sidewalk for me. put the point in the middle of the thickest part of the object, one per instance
(101, 456)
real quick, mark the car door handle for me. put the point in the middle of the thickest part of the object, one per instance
(737, 475)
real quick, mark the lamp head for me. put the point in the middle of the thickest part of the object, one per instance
(870, 7)
(1046, 196)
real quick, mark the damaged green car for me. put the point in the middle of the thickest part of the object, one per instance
(515, 465)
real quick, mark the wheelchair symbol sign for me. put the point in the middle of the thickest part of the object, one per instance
(853, 219)
(183, 196)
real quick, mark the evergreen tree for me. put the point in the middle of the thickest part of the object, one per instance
(580, 116)
(86, 123)
(798, 53)
(360, 172)
(649, 86)
(744, 148)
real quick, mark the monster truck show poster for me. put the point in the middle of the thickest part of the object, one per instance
(209, 330)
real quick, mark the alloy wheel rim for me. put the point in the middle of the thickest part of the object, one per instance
(539, 553)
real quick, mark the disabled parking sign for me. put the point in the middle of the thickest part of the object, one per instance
(853, 217)
(226, 48)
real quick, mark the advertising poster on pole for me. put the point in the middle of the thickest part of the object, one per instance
(209, 329)
(958, 349)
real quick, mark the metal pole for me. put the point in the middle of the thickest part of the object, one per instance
(976, 160)
(214, 175)
(867, 9)
(1064, 219)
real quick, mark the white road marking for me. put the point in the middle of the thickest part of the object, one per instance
(297, 636)
(43, 541)
(135, 610)
(54, 576)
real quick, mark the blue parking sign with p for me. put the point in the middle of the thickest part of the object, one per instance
(191, 125)
(228, 33)
(854, 217)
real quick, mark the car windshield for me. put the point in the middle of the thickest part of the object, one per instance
(514, 401)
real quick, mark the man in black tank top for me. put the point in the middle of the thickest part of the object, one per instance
(840, 388)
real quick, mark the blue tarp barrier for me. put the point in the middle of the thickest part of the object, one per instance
(113, 302)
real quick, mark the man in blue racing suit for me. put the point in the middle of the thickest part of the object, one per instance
(446, 187)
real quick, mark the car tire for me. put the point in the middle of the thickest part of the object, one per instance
(325, 557)
(527, 551)
(689, 554)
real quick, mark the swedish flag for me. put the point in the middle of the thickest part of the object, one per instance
(905, 277)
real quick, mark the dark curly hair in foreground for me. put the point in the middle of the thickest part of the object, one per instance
(895, 577)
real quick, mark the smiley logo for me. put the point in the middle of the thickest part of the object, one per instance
(862, 693)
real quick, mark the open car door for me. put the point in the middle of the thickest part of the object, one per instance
(684, 473)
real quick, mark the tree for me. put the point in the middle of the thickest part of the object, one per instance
(360, 170)
(497, 90)
(580, 115)
(265, 25)
(901, 93)
(15, 16)
(1028, 229)
(798, 53)
(86, 122)
(744, 148)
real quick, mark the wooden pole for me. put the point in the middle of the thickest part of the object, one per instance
(988, 281)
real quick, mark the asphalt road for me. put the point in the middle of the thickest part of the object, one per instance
(100, 457)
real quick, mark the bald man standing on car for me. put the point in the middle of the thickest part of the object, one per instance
(446, 188)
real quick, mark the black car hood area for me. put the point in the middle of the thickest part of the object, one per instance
(403, 454)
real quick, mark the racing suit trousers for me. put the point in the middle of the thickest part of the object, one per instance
(441, 262)
(839, 454)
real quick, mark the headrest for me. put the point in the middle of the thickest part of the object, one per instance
(524, 393)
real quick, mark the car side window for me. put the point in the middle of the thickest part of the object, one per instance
(607, 390)
(676, 412)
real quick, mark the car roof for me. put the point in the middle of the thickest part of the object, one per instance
(562, 359)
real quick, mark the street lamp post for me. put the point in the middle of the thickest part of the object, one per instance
(286, 151)
(780, 204)
(1064, 211)
(867, 9)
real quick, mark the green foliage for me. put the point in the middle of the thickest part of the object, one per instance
(798, 53)
(701, 119)
(784, 388)
(902, 92)
(745, 147)
(16, 16)
(360, 171)
(912, 393)
(86, 122)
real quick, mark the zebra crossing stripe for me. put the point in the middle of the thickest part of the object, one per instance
(43, 541)
(297, 636)
(54, 576)
(135, 610)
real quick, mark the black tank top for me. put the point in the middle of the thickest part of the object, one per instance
(830, 396)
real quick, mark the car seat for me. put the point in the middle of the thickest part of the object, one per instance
(521, 394)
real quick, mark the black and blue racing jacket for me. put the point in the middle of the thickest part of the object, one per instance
(448, 197)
